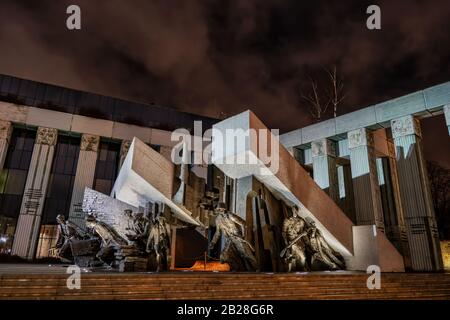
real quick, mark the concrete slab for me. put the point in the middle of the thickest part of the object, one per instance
(49, 118)
(372, 248)
(289, 182)
(98, 127)
(357, 119)
(319, 130)
(402, 106)
(145, 176)
(13, 112)
(125, 131)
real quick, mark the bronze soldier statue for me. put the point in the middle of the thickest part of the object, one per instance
(323, 256)
(137, 229)
(110, 239)
(236, 247)
(66, 232)
(158, 242)
(295, 239)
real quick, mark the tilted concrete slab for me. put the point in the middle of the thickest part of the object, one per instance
(288, 181)
(145, 176)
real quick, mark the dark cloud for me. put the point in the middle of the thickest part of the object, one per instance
(212, 56)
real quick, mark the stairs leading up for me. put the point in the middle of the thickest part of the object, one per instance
(204, 285)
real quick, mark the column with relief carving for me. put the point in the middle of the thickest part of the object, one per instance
(5, 136)
(84, 176)
(324, 167)
(368, 207)
(415, 194)
(28, 225)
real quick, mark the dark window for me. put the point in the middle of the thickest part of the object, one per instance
(59, 192)
(62, 176)
(106, 167)
(12, 183)
(57, 98)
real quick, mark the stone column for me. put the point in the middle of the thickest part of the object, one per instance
(447, 116)
(5, 136)
(398, 232)
(368, 209)
(324, 167)
(416, 195)
(29, 223)
(84, 176)
(124, 151)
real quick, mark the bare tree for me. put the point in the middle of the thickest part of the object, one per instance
(317, 106)
(320, 98)
(336, 93)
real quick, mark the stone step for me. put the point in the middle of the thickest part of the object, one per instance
(225, 286)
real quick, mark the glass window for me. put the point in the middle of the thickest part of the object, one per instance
(12, 184)
(6, 81)
(59, 191)
(106, 167)
(62, 176)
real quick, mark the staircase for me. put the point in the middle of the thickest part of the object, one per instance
(204, 285)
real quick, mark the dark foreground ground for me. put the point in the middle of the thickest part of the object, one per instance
(21, 281)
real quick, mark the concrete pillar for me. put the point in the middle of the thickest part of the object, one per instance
(84, 176)
(416, 195)
(5, 136)
(368, 209)
(447, 116)
(28, 225)
(123, 151)
(397, 233)
(324, 167)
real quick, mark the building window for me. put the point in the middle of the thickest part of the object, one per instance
(106, 167)
(59, 191)
(12, 184)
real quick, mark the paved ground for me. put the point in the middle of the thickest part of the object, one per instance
(24, 268)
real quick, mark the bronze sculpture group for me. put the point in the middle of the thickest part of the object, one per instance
(305, 247)
(147, 242)
(147, 239)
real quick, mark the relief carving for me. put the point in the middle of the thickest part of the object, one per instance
(323, 147)
(46, 136)
(405, 126)
(359, 137)
(124, 148)
(5, 130)
(89, 142)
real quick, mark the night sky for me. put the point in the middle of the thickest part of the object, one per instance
(223, 57)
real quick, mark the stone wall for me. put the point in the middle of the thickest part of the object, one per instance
(107, 209)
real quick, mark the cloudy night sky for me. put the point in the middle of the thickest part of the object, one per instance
(213, 57)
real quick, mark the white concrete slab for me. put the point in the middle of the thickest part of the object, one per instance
(290, 183)
(147, 176)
